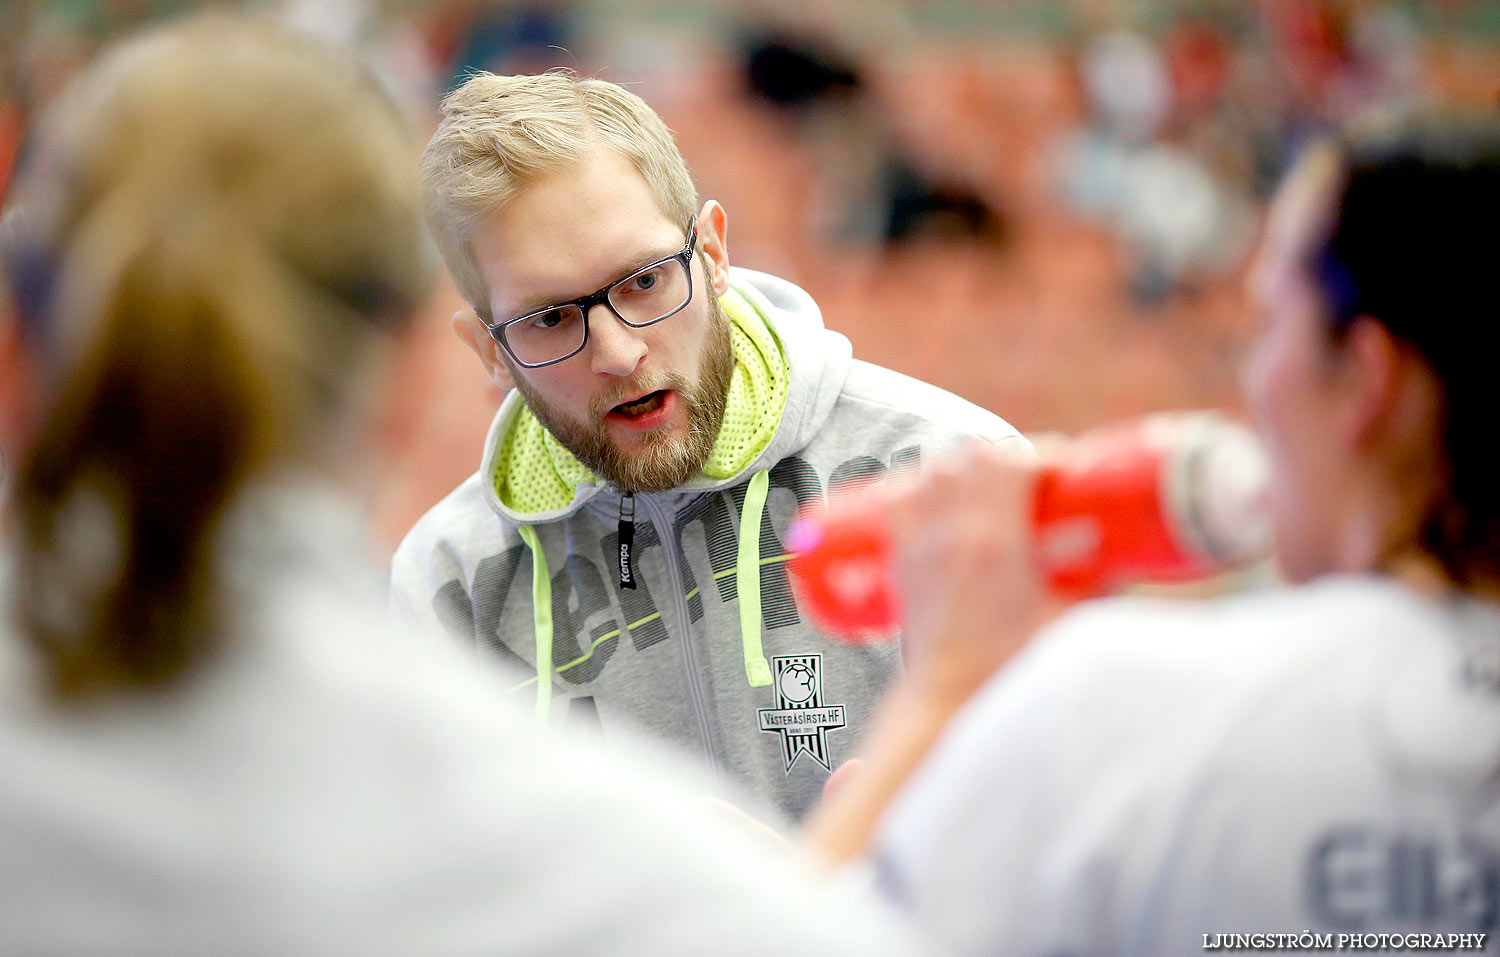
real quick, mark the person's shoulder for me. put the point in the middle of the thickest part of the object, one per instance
(1264, 623)
(886, 390)
(462, 520)
(1128, 715)
(1137, 664)
(1260, 628)
(638, 809)
(1129, 693)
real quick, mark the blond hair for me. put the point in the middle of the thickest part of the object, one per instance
(498, 133)
(223, 214)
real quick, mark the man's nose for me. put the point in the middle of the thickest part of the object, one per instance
(614, 348)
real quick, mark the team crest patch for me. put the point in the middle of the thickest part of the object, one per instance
(800, 716)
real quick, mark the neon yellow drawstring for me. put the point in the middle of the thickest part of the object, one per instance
(747, 578)
(747, 582)
(541, 618)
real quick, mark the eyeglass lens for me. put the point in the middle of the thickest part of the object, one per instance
(640, 299)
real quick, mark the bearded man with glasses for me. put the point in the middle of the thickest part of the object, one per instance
(622, 540)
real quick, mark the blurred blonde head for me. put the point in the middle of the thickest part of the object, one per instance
(499, 133)
(217, 218)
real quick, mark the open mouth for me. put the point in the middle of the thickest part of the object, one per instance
(644, 405)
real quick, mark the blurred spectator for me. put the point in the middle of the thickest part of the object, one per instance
(1180, 222)
(881, 193)
(1163, 160)
(509, 37)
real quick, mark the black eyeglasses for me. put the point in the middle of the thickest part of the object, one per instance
(650, 294)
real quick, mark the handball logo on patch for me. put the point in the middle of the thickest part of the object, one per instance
(800, 716)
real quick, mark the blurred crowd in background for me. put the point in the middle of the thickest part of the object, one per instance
(1044, 206)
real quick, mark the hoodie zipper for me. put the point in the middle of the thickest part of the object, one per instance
(660, 520)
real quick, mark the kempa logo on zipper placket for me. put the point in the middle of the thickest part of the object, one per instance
(627, 541)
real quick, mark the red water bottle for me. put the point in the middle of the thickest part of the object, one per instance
(1169, 497)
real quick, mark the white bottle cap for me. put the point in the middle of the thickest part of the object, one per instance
(1217, 489)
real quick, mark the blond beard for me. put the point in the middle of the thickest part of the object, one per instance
(663, 461)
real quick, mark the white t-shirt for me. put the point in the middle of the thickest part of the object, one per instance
(1322, 759)
(329, 785)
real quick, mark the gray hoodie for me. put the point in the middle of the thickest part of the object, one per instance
(746, 686)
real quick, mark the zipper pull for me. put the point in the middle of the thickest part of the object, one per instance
(627, 540)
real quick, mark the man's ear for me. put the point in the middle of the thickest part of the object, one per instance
(473, 333)
(713, 237)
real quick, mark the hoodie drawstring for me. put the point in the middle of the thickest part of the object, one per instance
(747, 578)
(541, 618)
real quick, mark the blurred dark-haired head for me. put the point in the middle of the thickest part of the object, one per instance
(1414, 245)
(1412, 240)
(1386, 241)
